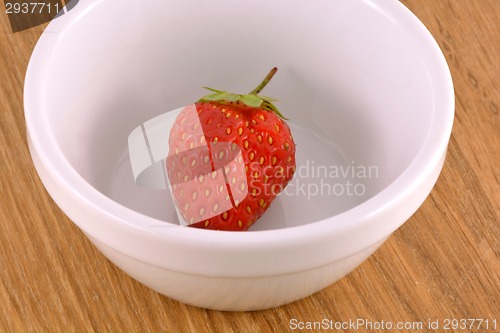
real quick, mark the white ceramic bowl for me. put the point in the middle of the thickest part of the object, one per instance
(363, 82)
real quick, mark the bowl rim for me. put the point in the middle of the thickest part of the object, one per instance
(427, 159)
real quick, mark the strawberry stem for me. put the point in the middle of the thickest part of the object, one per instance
(264, 83)
(251, 99)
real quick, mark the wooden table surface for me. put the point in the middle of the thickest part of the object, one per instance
(443, 263)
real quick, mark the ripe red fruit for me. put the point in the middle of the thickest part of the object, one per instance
(230, 156)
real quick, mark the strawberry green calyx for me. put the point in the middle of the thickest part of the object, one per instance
(251, 99)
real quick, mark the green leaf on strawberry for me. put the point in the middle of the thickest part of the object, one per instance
(251, 100)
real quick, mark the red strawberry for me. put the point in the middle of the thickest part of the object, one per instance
(230, 156)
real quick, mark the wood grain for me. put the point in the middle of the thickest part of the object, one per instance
(443, 263)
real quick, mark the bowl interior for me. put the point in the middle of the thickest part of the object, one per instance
(351, 80)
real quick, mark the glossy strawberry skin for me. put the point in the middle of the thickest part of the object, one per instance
(249, 149)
